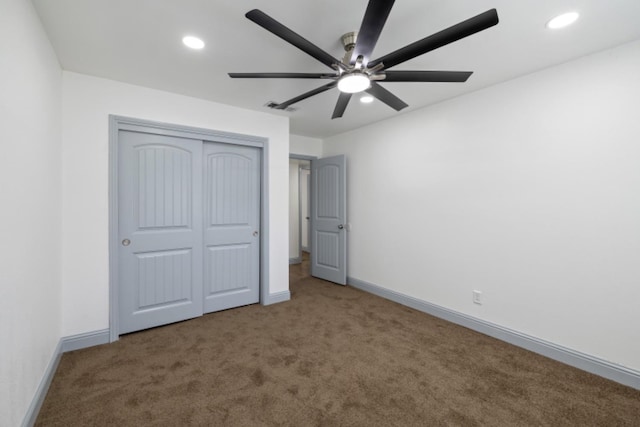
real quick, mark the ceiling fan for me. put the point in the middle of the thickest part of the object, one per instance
(357, 72)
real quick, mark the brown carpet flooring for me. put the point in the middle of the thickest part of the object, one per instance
(331, 356)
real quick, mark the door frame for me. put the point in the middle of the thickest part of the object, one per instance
(309, 158)
(118, 123)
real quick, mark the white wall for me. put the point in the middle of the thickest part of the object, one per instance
(30, 223)
(528, 191)
(87, 102)
(305, 145)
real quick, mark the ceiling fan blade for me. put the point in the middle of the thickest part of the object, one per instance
(442, 38)
(371, 27)
(305, 95)
(270, 24)
(428, 76)
(387, 97)
(281, 75)
(341, 105)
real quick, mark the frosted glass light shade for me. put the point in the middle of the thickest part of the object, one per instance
(353, 83)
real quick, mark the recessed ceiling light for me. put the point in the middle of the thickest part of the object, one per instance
(367, 99)
(563, 20)
(193, 42)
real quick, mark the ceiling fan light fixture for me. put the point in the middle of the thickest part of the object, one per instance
(366, 99)
(354, 83)
(563, 20)
(193, 42)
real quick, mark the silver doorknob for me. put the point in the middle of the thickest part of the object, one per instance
(255, 234)
(340, 226)
(126, 242)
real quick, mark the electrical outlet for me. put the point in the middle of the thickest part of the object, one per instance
(477, 297)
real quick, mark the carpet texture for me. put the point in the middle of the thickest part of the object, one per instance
(332, 356)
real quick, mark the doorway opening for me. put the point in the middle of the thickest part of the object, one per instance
(299, 212)
(318, 216)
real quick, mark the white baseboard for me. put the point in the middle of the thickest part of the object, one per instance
(74, 342)
(88, 339)
(41, 392)
(297, 260)
(586, 362)
(277, 297)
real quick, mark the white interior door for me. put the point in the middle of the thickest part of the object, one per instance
(231, 226)
(160, 230)
(328, 219)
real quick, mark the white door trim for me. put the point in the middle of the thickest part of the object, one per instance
(117, 123)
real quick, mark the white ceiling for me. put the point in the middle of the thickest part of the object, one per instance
(139, 42)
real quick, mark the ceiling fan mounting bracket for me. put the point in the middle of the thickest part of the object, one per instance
(349, 40)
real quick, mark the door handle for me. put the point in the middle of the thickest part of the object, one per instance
(255, 234)
(126, 242)
(340, 226)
